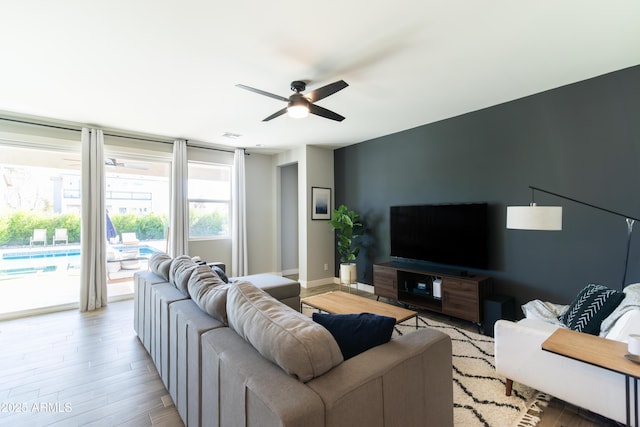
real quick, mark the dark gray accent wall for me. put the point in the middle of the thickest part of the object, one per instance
(580, 140)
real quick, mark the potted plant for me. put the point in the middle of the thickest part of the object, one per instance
(346, 223)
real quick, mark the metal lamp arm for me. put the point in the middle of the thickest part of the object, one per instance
(583, 203)
(630, 221)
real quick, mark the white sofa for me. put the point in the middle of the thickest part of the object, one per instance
(519, 357)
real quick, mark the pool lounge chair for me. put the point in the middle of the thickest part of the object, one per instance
(129, 239)
(39, 235)
(60, 235)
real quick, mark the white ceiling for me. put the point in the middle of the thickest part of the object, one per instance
(169, 68)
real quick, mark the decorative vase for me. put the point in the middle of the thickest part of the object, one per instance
(348, 273)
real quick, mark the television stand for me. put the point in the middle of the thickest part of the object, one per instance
(407, 265)
(460, 296)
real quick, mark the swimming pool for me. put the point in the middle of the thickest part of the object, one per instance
(25, 261)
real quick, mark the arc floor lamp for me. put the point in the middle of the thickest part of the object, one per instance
(534, 217)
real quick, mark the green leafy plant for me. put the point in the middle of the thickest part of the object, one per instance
(17, 227)
(346, 224)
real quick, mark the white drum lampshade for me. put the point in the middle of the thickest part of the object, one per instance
(534, 217)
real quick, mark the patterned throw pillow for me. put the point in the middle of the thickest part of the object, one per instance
(592, 305)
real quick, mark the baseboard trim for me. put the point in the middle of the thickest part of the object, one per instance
(315, 283)
(336, 281)
(38, 311)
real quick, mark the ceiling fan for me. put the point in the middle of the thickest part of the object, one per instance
(110, 161)
(300, 105)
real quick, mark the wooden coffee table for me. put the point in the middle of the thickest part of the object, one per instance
(339, 302)
(597, 351)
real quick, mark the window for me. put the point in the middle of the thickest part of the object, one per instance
(209, 200)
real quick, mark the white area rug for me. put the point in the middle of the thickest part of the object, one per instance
(478, 393)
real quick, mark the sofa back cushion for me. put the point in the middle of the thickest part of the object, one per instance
(209, 292)
(621, 322)
(289, 339)
(180, 271)
(159, 264)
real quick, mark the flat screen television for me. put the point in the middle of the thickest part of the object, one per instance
(450, 234)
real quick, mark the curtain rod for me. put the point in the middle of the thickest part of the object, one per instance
(114, 135)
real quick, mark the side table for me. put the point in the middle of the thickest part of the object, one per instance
(601, 352)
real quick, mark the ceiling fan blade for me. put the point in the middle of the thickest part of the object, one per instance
(276, 114)
(261, 92)
(138, 166)
(323, 112)
(324, 91)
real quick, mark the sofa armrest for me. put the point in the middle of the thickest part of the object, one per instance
(519, 357)
(240, 387)
(405, 382)
(518, 345)
(627, 324)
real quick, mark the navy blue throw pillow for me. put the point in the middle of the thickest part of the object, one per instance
(593, 304)
(356, 333)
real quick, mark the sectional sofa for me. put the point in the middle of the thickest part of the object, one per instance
(241, 354)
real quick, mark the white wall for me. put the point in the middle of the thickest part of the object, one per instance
(316, 244)
(320, 238)
(261, 211)
(218, 250)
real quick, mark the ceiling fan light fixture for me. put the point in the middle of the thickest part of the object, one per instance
(298, 111)
(298, 107)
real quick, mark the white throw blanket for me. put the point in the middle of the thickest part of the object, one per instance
(549, 312)
(630, 302)
(544, 310)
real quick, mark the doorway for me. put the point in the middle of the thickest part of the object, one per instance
(289, 220)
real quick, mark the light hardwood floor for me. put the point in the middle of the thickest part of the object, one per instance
(89, 369)
(80, 369)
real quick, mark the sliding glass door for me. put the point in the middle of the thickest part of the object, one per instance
(137, 201)
(39, 228)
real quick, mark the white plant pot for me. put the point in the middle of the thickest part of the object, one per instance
(348, 273)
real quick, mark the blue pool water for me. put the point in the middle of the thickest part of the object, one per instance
(52, 259)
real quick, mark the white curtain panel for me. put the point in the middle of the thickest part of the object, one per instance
(93, 237)
(179, 231)
(239, 261)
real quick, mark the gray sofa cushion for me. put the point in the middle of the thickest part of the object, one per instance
(289, 339)
(160, 264)
(180, 272)
(209, 291)
(278, 287)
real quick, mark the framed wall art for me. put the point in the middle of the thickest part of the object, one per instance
(320, 203)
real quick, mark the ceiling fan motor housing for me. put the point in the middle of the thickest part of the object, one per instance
(298, 99)
(298, 86)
